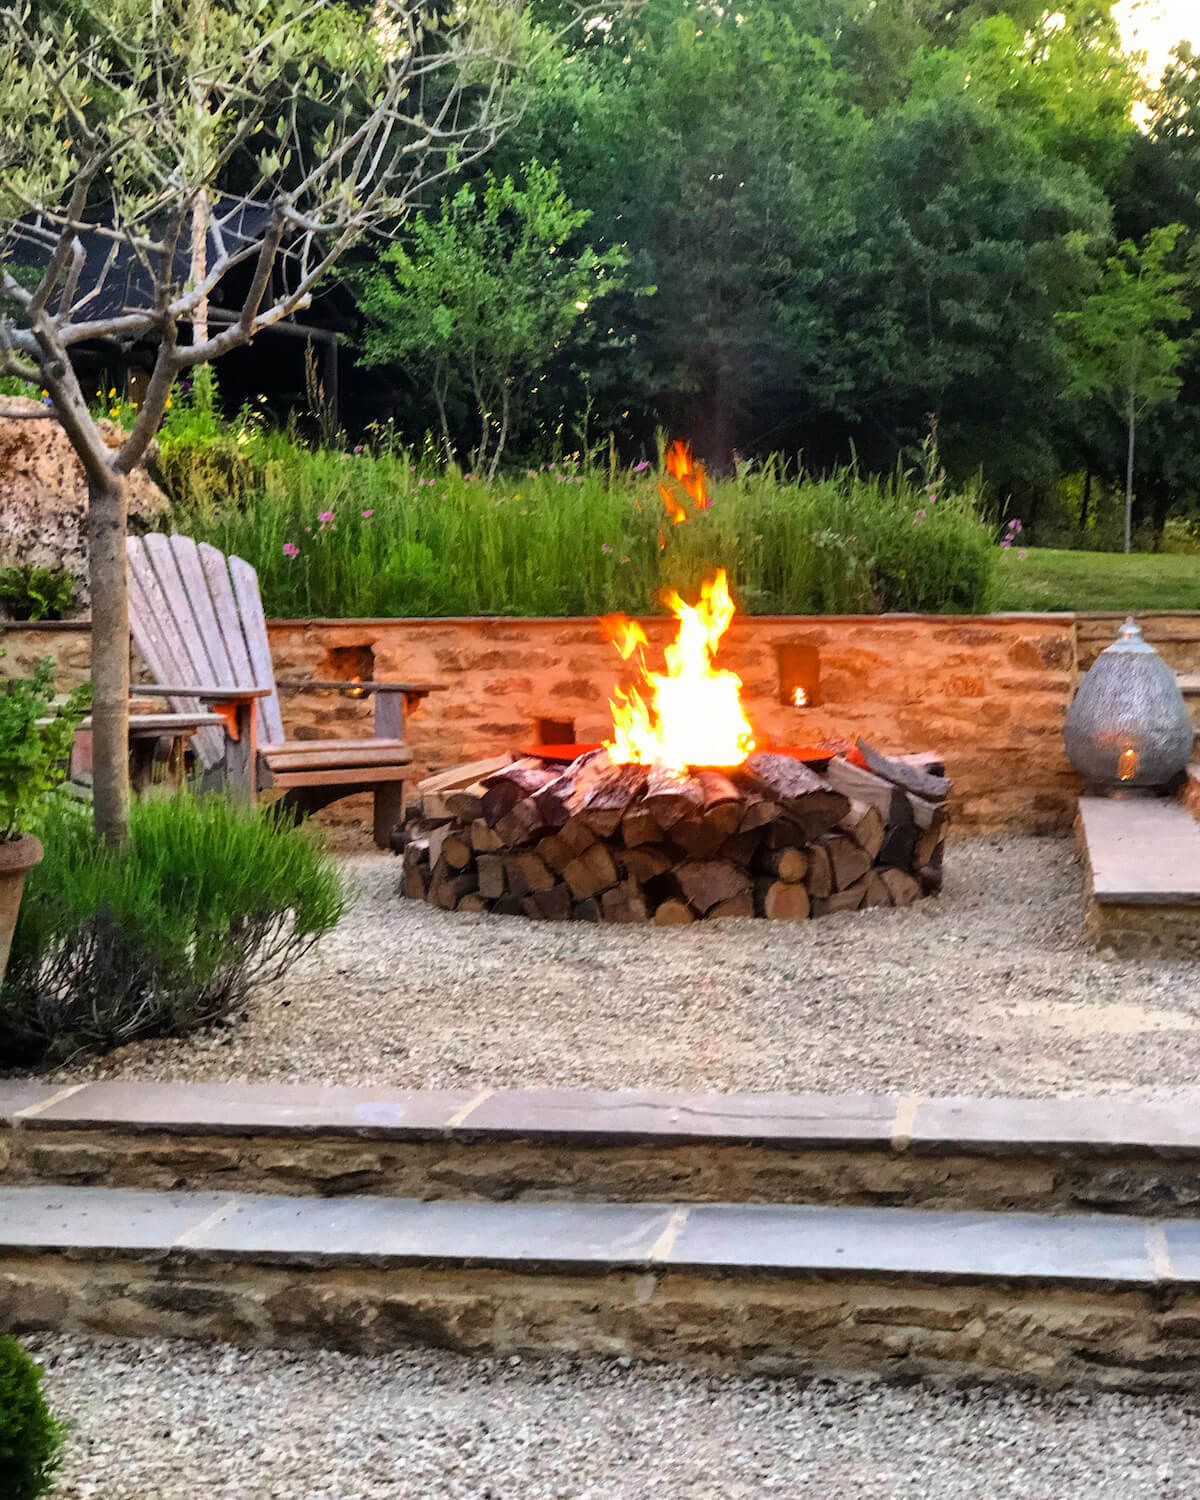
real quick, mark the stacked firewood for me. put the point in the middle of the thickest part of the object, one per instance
(602, 842)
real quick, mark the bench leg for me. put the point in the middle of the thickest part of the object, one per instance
(389, 810)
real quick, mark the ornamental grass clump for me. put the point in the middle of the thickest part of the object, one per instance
(30, 1438)
(167, 933)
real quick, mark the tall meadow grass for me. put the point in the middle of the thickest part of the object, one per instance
(338, 534)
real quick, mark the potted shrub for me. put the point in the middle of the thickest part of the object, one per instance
(36, 735)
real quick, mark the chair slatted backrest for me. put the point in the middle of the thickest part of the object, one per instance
(196, 617)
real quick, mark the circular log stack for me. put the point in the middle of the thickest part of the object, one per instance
(601, 842)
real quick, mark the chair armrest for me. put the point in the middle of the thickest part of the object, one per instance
(360, 689)
(205, 693)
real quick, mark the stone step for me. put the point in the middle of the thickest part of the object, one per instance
(769, 1288)
(1044, 1155)
(1143, 860)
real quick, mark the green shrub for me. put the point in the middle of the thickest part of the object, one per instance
(376, 534)
(36, 734)
(30, 1438)
(29, 591)
(165, 934)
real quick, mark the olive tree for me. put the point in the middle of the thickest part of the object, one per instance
(204, 144)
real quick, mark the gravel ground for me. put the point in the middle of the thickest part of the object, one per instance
(989, 989)
(177, 1421)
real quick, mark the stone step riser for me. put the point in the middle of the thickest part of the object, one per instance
(899, 1328)
(1125, 1181)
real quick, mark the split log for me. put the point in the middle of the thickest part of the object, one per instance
(639, 826)
(504, 789)
(742, 847)
(670, 795)
(625, 903)
(865, 826)
(929, 877)
(524, 823)
(929, 846)
(903, 774)
(466, 803)
(592, 872)
(553, 905)
(490, 873)
(447, 890)
(645, 862)
(698, 838)
(576, 836)
(485, 840)
(784, 902)
(857, 782)
(432, 789)
(877, 893)
(757, 813)
(929, 815)
(819, 879)
(673, 913)
(902, 887)
(457, 851)
(416, 852)
(790, 865)
(849, 863)
(526, 873)
(810, 801)
(736, 906)
(586, 911)
(706, 883)
(605, 804)
(848, 900)
(509, 906)
(415, 885)
(472, 902)
(437, 837)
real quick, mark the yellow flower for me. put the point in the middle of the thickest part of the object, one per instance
(168, 403)
(113, 392)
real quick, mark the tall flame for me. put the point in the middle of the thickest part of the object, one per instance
(682, 466)
(691, 715)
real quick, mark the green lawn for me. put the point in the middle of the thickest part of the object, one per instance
(1050, 579)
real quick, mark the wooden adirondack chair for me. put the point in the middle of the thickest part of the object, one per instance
(197, 620)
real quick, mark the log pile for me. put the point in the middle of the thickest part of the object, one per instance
(600, 842)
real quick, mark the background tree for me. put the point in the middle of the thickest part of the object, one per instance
(1118, 341)
(481, 296)
(325, 127)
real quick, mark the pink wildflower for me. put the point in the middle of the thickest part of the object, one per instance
(325, 517)
(367, 514)
(605, 548)
(1022, 554)
(642, 467)
(920, 516)
(290, 549)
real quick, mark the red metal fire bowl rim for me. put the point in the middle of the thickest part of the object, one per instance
(812, 755)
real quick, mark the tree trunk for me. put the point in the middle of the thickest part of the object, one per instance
(107, 504)
(1129, 481)
(1085, 508)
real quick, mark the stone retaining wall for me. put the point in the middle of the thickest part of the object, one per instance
(898, 1328)
(989, 692)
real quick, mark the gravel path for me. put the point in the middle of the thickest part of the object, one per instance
(989, 989)
(177, 1421)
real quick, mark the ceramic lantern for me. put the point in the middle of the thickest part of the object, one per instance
(1128, 727)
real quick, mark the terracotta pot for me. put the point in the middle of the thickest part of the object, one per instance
(17, 858)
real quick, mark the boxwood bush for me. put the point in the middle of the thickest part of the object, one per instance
(165, 934)
(30, 1438)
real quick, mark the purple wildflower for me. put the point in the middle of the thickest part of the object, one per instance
(642, 467)
(605, 548)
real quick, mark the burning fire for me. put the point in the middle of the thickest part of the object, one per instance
(1127, 765)
(355, 692)
(691, 715)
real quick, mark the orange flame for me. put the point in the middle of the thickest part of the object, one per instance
(691, 715)
(354, 692)
(682, 466)
(1127, 765)
(674, 509)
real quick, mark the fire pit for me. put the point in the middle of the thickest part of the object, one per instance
(680, 815)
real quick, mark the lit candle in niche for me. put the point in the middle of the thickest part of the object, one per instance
(1127, 764)
(800, 698)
